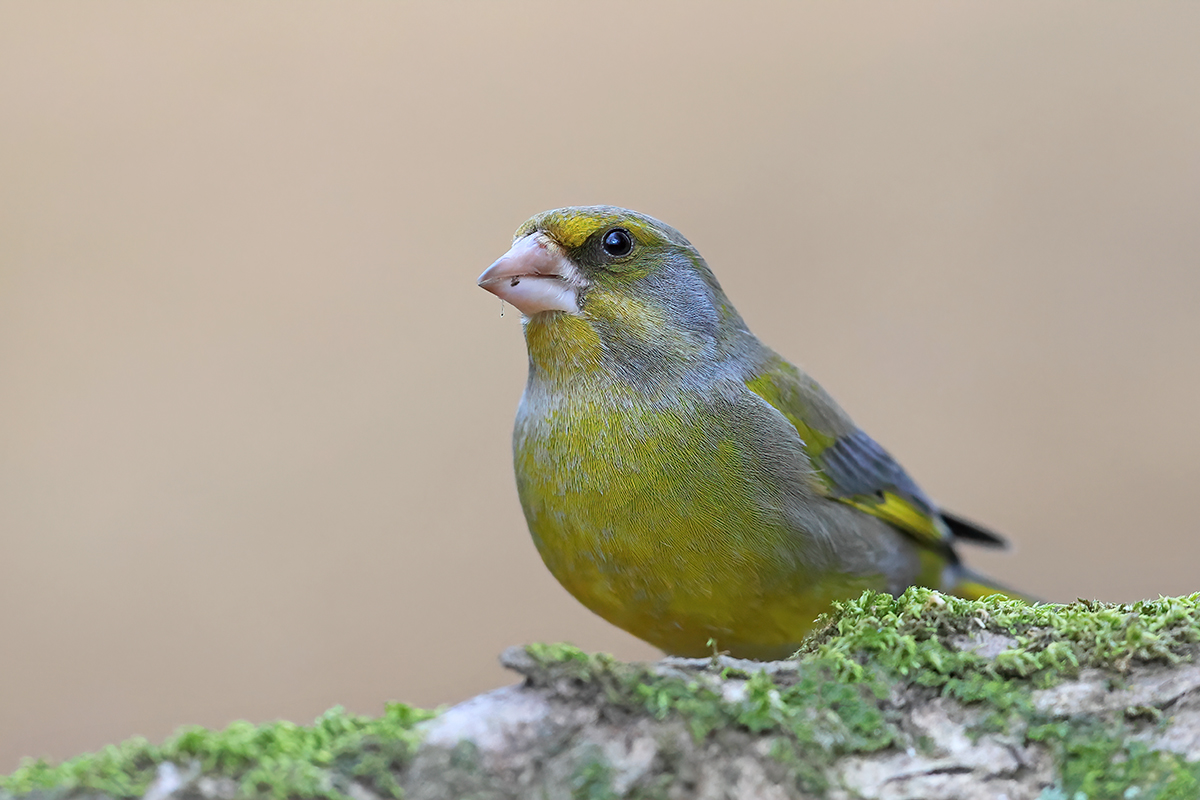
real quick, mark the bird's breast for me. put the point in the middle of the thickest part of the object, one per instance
(654, 515)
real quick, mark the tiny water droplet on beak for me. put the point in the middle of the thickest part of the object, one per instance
(502, 307)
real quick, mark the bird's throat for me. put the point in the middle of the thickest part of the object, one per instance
(562, 346)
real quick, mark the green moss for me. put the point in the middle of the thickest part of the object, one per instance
(569, 661)
(1097, 762)
(913, 634)
(279, 759)
(592, 777)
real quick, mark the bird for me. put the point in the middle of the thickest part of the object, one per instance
(680, 478)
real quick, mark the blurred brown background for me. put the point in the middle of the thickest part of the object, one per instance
(254, 440)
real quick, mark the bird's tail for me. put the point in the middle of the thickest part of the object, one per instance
(971, 585)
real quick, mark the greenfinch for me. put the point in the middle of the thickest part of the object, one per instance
(680, 478)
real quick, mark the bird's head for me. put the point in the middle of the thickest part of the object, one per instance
(632, 284)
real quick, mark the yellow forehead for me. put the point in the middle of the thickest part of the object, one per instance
(571, 227)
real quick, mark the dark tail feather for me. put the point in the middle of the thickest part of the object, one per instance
(970, 532)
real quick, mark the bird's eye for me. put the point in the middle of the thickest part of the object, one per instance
(617, 243)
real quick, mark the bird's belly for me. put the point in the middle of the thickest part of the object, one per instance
(670, 531)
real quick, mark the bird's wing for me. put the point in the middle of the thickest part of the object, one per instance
(861, 473)
(853, 467)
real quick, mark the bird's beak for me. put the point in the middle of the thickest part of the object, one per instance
(535, 276)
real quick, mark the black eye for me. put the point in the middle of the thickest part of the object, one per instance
(617, 243)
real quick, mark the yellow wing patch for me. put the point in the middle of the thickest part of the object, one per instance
(897, 511)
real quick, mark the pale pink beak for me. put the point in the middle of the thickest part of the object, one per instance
(535, 276)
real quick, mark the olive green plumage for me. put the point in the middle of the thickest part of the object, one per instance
(679, 477)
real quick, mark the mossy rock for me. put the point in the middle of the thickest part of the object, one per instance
(921, 695)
